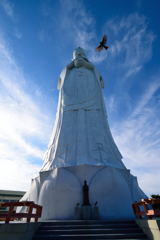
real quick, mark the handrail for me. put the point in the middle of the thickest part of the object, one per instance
(11, 213)
(147, 208)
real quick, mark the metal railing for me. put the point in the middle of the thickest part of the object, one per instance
(147, 208)
(32, 210)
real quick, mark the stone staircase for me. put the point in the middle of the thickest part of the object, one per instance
(89, 229)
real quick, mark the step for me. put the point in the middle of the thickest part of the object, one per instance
(95, 226)
(91, 230)
(84, 222)
(134, 236)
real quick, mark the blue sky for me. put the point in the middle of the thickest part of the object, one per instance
(37, 39)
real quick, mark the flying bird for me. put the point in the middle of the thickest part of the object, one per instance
(102, 44)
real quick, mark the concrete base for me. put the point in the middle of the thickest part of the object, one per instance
(78, 212)
(18, 231)
(151, 228)
(95, 213)
(86, 212)
(60, 189)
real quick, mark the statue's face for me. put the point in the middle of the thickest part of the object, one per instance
(79, 53)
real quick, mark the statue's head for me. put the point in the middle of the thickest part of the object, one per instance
(79, 52)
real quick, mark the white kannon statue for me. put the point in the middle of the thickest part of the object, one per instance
(82, 148)
(81, 133)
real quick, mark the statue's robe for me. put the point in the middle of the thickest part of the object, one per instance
(81, 133)
(82, 147)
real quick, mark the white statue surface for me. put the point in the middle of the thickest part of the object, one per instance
(81, 134)
(82, 148)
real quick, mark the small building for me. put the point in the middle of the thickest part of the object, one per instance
(10, 196)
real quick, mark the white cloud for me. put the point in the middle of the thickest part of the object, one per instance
(76, 18)
(79, 25)
(10, 12)
(148, 94)
(148, 180)
(131, 43)
(17, 33)
(138, 138)
(138, 135)
(16, 171)
(132, 71)
(23, 125)
(8, 8)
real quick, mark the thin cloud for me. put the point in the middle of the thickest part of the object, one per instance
(16, 170)
(78, 20)
(148, 95)
(138, 138)
(8, 7)
(129, 38)
(133, 71)
(17, 33)
(79, 25)
(131, 43)
(24, 127)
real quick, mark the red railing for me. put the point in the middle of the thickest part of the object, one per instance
(147, 208)
(10, 214)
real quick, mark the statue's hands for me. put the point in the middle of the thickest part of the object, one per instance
(79, 62)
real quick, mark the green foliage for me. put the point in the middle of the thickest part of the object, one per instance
(155, 196)
(156, 206)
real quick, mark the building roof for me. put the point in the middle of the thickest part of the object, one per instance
(11, 192)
